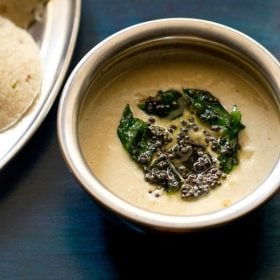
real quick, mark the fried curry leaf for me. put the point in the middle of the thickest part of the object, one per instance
(209, 110)
(164, 174)
(166, 104)
(207, 107)
(228, 143)
(135, 136)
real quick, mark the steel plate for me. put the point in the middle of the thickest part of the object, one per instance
(56, 36)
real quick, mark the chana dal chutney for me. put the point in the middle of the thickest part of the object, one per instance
(140, 76)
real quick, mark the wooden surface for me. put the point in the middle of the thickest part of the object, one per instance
(51, 229)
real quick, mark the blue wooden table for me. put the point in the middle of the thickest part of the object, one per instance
(51, 229)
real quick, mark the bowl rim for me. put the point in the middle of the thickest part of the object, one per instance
(68, 138)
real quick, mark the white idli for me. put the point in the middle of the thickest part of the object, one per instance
(22, 12)
(20, 73)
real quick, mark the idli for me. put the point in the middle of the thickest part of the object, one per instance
(20, 73)
(22, 12)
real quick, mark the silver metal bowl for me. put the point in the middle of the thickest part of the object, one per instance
(141, 37)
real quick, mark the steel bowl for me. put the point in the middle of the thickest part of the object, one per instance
(139, 38)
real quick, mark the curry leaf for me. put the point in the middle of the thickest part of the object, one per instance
(166, 104)
(135, 136)
(210, 111)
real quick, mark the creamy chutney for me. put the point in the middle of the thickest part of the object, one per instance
(141, 77)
